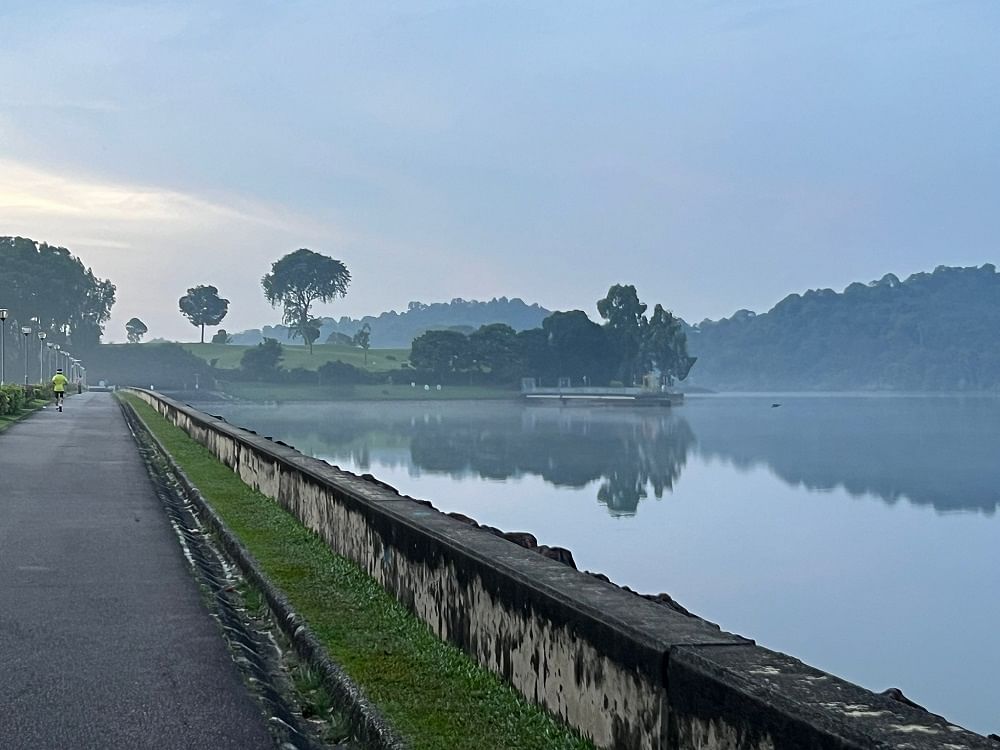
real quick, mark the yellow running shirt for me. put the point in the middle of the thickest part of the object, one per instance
(59, 382)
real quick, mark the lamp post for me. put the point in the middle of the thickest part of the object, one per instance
(26, 331)
(41, 357)
(49, 345)
(3, 354)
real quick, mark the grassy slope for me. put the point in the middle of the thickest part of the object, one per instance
(229, 355)
(435, 695)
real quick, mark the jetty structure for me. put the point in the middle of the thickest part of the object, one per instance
(650, 393)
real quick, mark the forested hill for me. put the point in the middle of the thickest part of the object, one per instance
(934, 331)
(398, 329)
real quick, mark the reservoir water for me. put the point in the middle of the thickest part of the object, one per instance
(858, 533)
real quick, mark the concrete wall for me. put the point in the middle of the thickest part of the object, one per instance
(626, 672)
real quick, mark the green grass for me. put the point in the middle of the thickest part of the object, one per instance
(7, 421)
(285, 392)
(229, 355)
(435, 695)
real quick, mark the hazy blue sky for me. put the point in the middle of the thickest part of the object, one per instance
(717, 154)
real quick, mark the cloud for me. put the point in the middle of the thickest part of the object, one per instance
(28, 193)
(154, 242)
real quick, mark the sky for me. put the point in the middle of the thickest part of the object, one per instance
(718, 155)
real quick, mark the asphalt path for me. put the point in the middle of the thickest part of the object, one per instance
(104, 639)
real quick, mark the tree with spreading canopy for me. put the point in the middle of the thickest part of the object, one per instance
(135, 329)
(440, 352)
(50, 289)
(203, 306)
(300, 279)
(495, 350)
(579, 348)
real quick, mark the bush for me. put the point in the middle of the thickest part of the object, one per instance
(336, 372)
(300, 376)
(11, 400)
(262, 362)
(43, 392)
(14, 398)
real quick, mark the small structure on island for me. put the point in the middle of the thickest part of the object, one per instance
(650, 393)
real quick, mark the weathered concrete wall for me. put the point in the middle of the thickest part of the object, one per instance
(626, 672)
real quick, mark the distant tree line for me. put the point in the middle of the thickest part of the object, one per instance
(567, 345)
(394, 329)
(933, 331)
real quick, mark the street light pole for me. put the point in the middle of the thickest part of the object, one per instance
(3, 354)
(26, 331)
(41, 357)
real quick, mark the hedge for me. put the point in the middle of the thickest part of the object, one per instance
(15, 398)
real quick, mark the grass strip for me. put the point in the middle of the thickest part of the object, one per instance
(436, 696)
(33, 406)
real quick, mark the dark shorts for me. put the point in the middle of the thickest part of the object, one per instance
(60, 394)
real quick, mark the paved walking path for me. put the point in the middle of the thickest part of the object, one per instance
(104, 640)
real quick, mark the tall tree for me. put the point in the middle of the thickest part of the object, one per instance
(46, 287)
(203, 306)
(363, 338)
(135, 329)
(665, 346)
(625, 316)
(298, 280)
(579, 347)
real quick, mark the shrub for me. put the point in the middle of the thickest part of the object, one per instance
(11, 400)
(262, 362)
(14, 398)
(341, 373)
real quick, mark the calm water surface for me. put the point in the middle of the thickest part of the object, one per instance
(859, 534)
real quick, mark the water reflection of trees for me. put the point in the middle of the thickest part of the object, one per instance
(932, 451)
(935, 451)
(631, 453)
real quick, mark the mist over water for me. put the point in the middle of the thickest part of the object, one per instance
(859, 533)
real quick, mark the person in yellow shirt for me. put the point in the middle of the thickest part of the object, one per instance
(59, 382)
